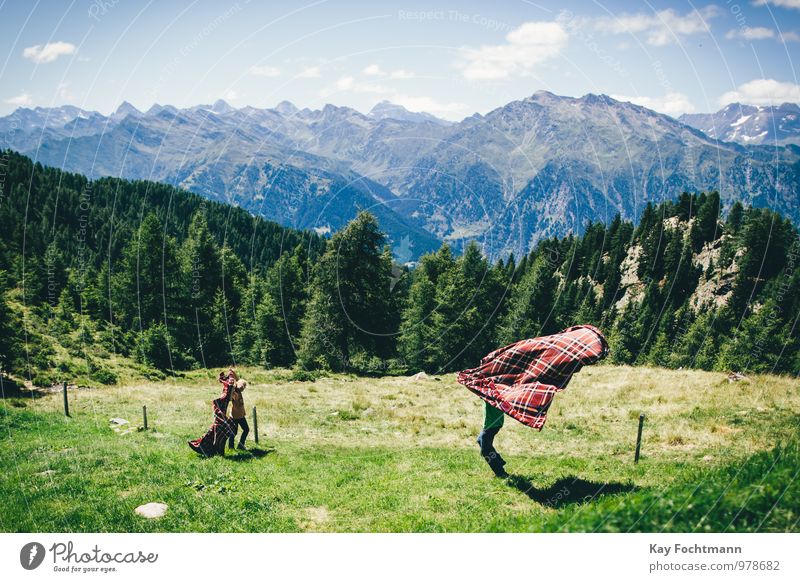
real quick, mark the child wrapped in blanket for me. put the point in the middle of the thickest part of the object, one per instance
(213, 442)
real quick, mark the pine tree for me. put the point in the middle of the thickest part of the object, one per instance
(286, 287)
(10, 341)
(200, 258)
(247, 340)
(216, 341)
(735, 218)
(681, 275)
(466, 296)
(233, 276)
(767, 239)
(696, 347)
(625, 336)
(757, 344)
(324, 339)
(417, 342)
(350, 298)
(146, 286)
(154, 347)
(530, 306)
(589, 310)
(620, 234)
(202, 273)
(705, 228)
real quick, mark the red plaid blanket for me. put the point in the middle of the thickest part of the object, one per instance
(521, 379)
(213, 442)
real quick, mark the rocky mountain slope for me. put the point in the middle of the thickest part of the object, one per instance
(541, 166)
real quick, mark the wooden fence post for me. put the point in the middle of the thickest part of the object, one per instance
(66, 400)
(255, 424)
(144, 414)
(639, 438)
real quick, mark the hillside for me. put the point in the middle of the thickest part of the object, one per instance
(397, 454)
(93, 272)
(111, 280)
(538, 167)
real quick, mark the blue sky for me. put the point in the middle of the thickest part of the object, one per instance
(448, 58)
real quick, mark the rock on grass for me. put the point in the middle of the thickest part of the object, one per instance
(152, 510)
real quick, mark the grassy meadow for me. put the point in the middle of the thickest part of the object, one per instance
(394, 454)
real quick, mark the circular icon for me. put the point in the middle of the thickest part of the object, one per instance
(31, 555)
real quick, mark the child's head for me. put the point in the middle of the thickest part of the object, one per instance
(241, 385)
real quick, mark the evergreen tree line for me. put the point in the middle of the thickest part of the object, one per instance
(139, 269)
(175, 282)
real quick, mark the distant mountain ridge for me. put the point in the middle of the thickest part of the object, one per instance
(541, 166)
(750, 124)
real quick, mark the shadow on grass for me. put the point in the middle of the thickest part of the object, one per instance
(11, 389)
(249, 455)
(566, 490)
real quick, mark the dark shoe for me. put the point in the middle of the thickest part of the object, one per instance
(496, 463)
(241, 447)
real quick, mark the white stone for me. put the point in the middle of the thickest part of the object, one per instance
(119, 421)
(152, 510)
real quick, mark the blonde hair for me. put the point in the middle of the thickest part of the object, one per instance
(241, 384)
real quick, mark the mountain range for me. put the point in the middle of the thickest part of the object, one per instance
(750, 124)
(541, 166)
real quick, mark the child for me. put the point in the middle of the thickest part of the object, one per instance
(521, 379)
(238, 414)
(213, 442)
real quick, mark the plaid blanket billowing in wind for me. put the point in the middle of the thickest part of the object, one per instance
(521, 379)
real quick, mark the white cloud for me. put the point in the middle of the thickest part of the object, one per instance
(401, 74)
(376, 71)
(452, 110)
(63, 92)
(345, 83)
(21, 100)
(264, 71)
(231, 95)
(751, 33)
(762, 33)
(309, 73)
(673, 104)
(660, 28)
(763, 92)
(526, 47)
(350, 84)
(784, 3)
(48, 53)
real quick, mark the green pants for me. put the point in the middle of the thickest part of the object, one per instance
(492, 417)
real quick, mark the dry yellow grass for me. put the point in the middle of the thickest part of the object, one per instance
(689, 413)
(376, 454)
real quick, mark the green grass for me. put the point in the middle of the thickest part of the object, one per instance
(391, 454)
